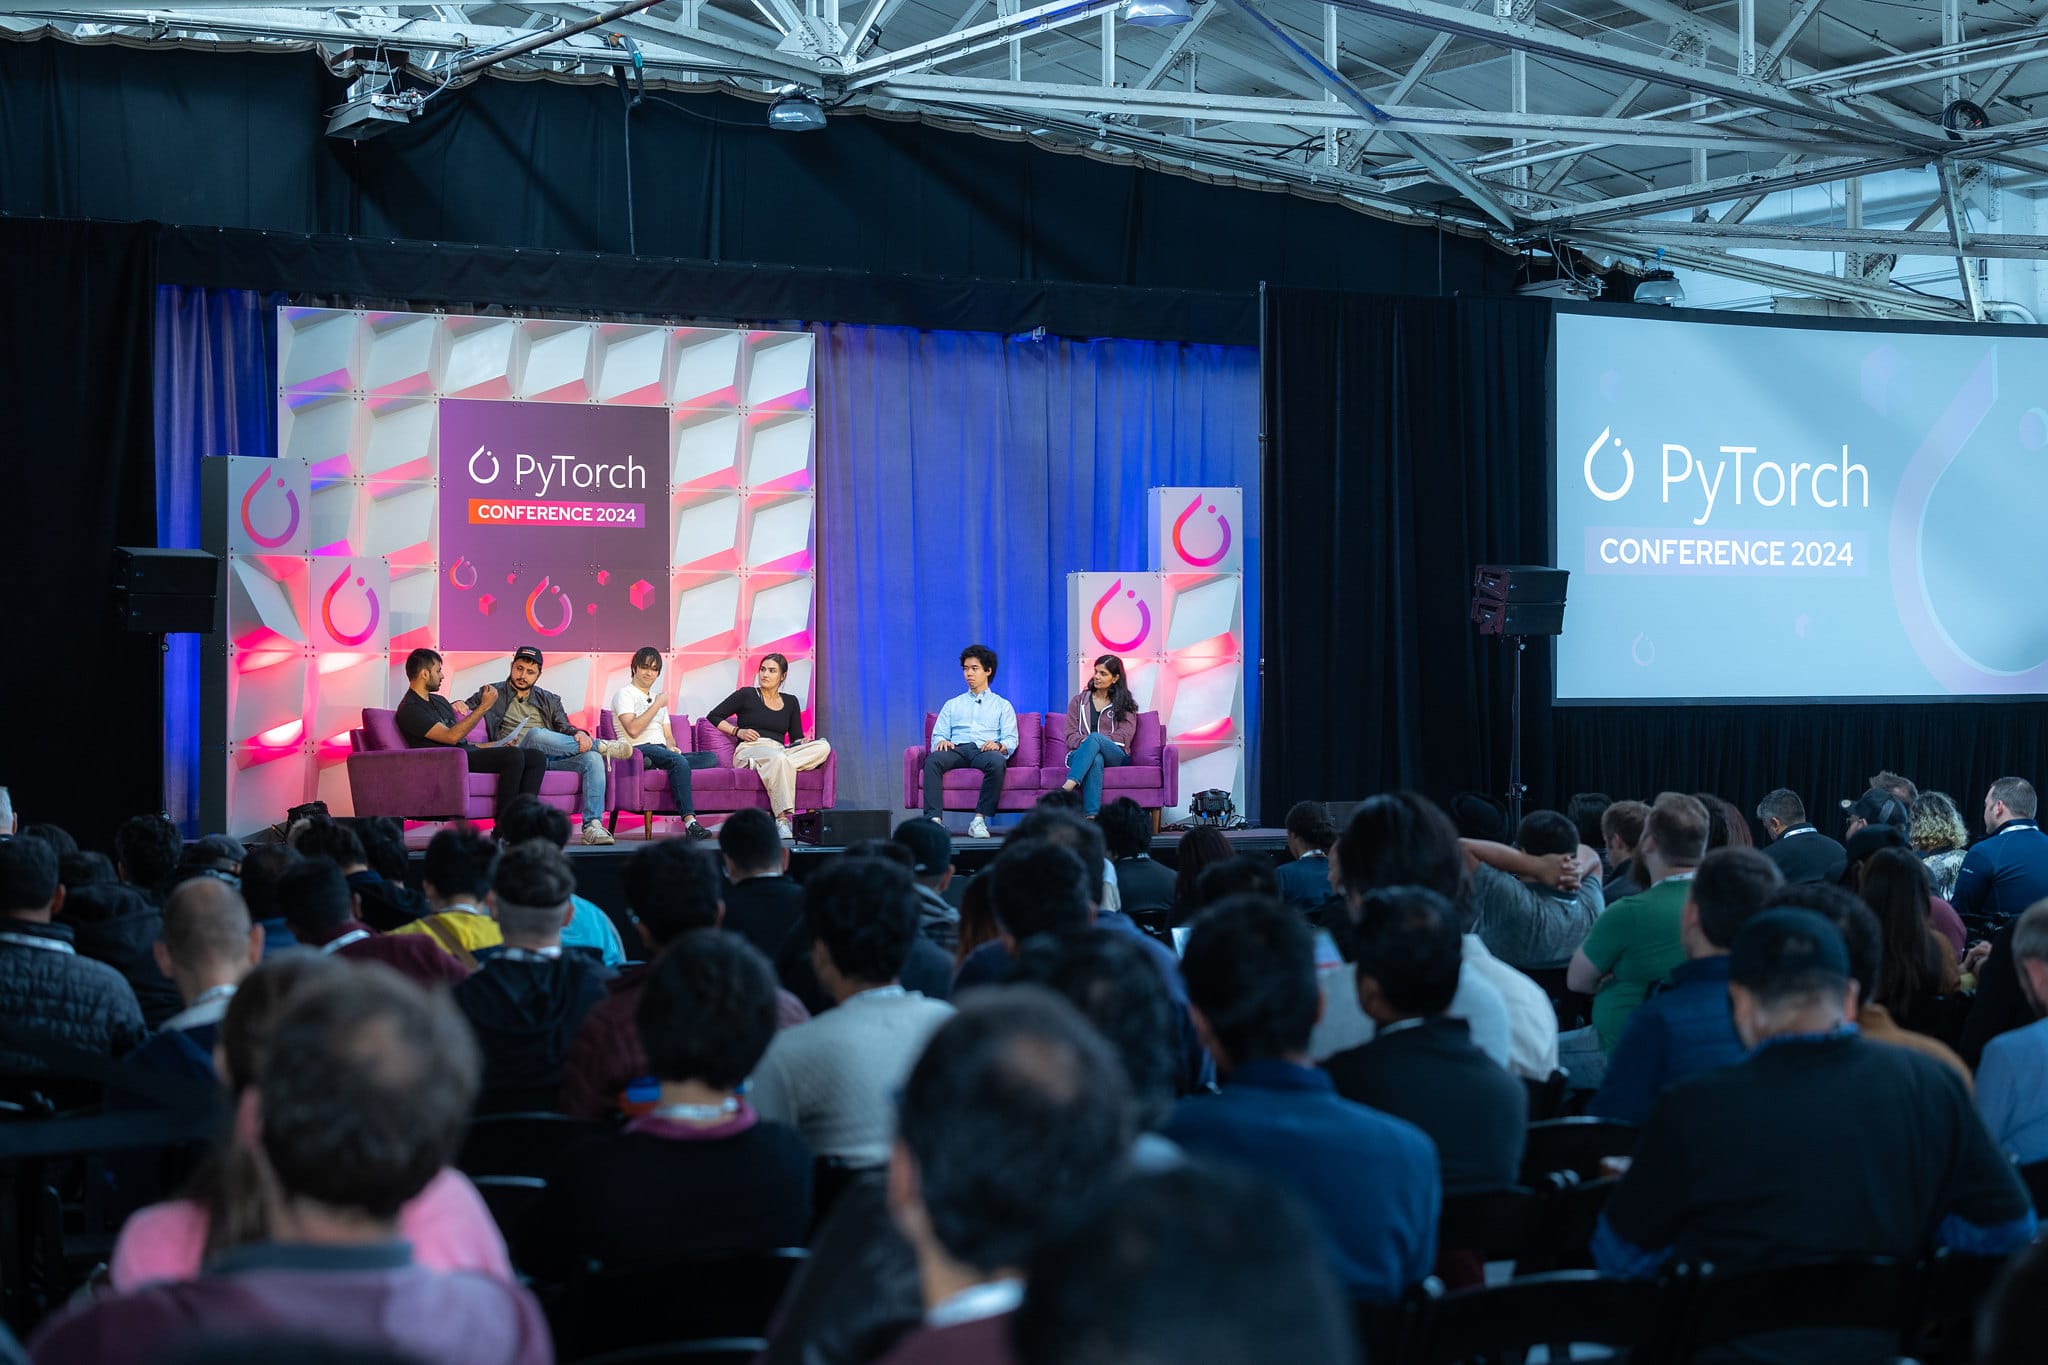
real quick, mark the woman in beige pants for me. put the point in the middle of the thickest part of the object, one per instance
(768, 729)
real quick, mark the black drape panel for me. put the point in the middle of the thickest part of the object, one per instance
(82, 698)
(1405, 444)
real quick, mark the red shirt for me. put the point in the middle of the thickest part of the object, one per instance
(414, 956)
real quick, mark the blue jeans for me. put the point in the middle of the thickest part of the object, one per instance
(669, 761)
(1085, 766)
(562, 755)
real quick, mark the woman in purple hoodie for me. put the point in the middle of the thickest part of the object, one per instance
(1102, 720)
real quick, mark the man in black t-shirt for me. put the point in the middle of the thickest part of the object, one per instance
(426, 718)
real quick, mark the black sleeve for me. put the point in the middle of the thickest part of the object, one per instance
(792, 720)
(733, 706)
(2001, 1006)
(415, 718)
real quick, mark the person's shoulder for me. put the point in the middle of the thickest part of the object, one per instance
(2028, 1042)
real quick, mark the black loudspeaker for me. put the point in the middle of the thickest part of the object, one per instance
(1518, 599)
(165, 592)
(840, 828)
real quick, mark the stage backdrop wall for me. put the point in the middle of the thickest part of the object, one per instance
(960, 477)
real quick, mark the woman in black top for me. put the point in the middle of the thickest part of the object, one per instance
(768, 730)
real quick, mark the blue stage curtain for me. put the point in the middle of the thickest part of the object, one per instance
(962, 476)
(216, 394)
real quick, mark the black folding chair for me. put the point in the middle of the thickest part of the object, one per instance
(1494, 1225)
(1571, 1211)
(509, 1198)
(1875, 1295)
(1574, 1144)
(1546, 1097)
(1955, 1288)
(520, 1144)
(687, 1299)
(1560, 1310)
(711, 1351)
(2036, 1178)
(1386, 1331)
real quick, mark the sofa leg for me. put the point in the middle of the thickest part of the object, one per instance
(1156, 813)
(647, 824)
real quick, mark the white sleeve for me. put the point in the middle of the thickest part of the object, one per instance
(622, 700)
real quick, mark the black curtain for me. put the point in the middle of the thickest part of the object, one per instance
(83, 698)
(1405, 442)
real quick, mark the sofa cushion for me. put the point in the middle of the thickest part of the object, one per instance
(1030, 736)
(1146, 743)
(380, 729)
(712, 740)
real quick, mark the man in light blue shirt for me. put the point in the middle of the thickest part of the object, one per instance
(976, 729)
(2012, 1080)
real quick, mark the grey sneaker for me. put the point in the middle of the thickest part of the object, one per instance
(614, 748)
(595, 833)
(977, 828)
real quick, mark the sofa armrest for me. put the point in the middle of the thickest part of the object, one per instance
(828, 774)
(913, 775)
(411, 784)
(622, 782)
(1169, 774)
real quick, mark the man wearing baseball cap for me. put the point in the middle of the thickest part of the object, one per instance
(931, 853)
(550, 733)
(1818, 1144)
(1875, 807)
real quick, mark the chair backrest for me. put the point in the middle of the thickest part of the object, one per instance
(509, 1197)
(1566, 1307)
(380, 730)
(1874, 1294)
(1574, 1144)
(2036, 1177)
(1495, 1225)
(520, 1144)
(688, 1298)
(1546, 1097)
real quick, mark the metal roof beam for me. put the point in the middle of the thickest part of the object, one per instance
(1184, 34)
(2004, 246)
(975, 38)
(1786, 277)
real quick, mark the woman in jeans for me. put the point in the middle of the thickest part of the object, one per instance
(1102, 720)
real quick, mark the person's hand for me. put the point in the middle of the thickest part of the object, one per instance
(990, 745)
(487, 698)
(1559, 871)
(940, 746)
(582, 742)
(746, 736)
(1615, 1165)
(459, 709)
(1973, 961)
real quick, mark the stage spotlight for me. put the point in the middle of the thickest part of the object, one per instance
(1156, 13)
(1666, 292)
(797, 113)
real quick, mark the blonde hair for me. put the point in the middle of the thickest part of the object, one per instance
(1937, 825)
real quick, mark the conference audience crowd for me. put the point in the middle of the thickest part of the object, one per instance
(1079, 1107)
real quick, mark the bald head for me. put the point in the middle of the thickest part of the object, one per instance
(208, 939)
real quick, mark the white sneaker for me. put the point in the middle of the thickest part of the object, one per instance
(614, 748)
(782, 828)
(977, 828)
(595, 833)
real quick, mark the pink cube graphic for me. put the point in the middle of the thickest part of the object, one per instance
(485, 603)
(640, 594)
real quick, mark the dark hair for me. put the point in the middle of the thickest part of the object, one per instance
(864, 910)
(1476, 815)
(977, 916)
(1543, 832)
(1059, 799)
(1400, 839)
(1783, 805)
(146, 847)
(1861, 935)
(313, 896)
(419, 661)
(56, 836)
(331, 840)
(1121, 702)
(1250, 967)
(1624, 821)
(780, 662)
(1126, 828)
(28, 874)
(527, 817)
(1584, 811)
(1409, 942)
(459, 861)
(206, 921)
(263, 867)
(1193, 1265)
(1073, 831)
(533, 886)
(366, 1091)
(646, 655)
(1895, 888)
(1717, 819)
(1040, 887)
(672, 887)
(1016, 1114)
(708, 1012)
(383, 839)
(1197, 849)
(1243, 874)
(750, 839)
(1108, 977)
(89, 867)
(1732, 885)
(886, 849)
(1680, 825)
(1309, 821)
(1897, 784)
(983, 653)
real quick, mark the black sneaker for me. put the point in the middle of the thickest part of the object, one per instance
(693, 830)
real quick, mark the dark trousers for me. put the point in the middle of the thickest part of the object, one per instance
(678, 769)
(519, 771)
(991, 763)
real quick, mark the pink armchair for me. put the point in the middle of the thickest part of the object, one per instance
(1151, 778)
(637, 789)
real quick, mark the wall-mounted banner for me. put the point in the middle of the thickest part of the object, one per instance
(1195, 530)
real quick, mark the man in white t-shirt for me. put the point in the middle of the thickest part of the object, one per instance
(642, 721)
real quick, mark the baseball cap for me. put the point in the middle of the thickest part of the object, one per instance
(1785, 942)
(929, 844)
(528, 653)
(1878, 807)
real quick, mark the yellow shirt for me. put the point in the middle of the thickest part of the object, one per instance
(467, 929)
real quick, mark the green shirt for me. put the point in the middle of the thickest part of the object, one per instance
(1636, 939)
(517, 710)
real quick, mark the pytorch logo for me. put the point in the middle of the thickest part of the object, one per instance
(1222, 546)
(327, 609)
(291, 527)
(1144, 618)
(533, 599)
(1628, 464)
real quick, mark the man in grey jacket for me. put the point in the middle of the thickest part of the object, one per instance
(550, 732)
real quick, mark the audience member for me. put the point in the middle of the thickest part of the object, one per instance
(978, 924)
(383, 906)
(52, 992)
(146, 851)
(527, 1000)
(1875, 807)
(672, 889)
(456, 882)
(931, 857)
(86, 867)
(1585, 810)
(224, 1207)
(590, 929)
(214, 855)
(56, 836)
(1621, 830)
(1013, 1119)
(1115, 986)
(699, 1173)
(2012, 1082)
(383, 838)
(1636, 943)
(1686, 1029)
(1728, 1171)
(1802, 853)
(1421, 1065)
(1476, 815)
(1533, 904)
(120, 925)
(1901, 787)
(262, 867)
(358, 1104)
(1147, 888)
(1304, 880)
(762, 905)
(1918, 966)
(1937, 833)
(928, 969)
(1193, 1266)
(207, 948)
(2008, 870)
(1242, 874)
(1199, 847)
(1371, 1180)
(320, 906)
(832, 1078)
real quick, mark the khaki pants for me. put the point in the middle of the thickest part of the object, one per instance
(778, 767)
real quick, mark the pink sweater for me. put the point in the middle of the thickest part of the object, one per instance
(447, 1224)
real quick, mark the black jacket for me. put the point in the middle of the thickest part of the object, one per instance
(1808, 857)
(765, 911)
(1143, 885)
(525, 1014)
(1434, 1076)
(63, 995)
(384, 905)
(547, 703)
(120, 926)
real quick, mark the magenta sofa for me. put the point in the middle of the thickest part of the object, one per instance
(386, 777)
(637, 789)
(1151, 778)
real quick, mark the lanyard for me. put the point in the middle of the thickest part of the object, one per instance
(335, 945)
(54, 945)
(697, 1113)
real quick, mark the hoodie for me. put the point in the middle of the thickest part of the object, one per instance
(525, 1011)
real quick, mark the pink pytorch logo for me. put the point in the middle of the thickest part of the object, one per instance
(327, 609)
(1144, 620)
(568, 608)
(249, 522)
(1180, 547)
(455, 573)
